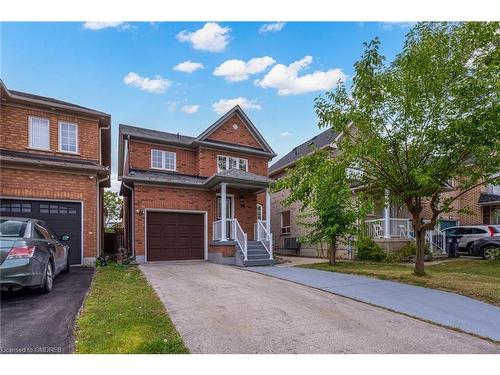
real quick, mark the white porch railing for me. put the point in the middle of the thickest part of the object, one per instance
(234, 232)
(265, 237)
(398, 228)
(402, 228)
(255, 229)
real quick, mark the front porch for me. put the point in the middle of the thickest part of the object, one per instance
(239, 234)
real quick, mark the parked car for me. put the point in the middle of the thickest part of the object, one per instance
(471, 233)
(485, 247)
(31, 254)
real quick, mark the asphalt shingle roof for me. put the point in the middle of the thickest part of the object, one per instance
(486, 198)
(318, 141)
(157, 134)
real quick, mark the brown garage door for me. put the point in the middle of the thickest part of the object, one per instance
(175, 236)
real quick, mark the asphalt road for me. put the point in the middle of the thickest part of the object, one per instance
(222, 309)
(34, 322)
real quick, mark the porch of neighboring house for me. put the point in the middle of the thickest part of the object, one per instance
(393, 229)
(240, 236)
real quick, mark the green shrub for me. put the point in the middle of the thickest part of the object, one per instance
(496, 255)
(406, 253)
(368, 250)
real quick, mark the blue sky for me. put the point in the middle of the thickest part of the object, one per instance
(127, 70)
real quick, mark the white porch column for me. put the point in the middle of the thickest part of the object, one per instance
(223, 216)
(387, 215)
(268, 211)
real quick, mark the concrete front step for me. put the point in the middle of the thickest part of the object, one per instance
(260, 262)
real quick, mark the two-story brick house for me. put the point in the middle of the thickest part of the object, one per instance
(197, 197)
(55, 163)
(388, 223)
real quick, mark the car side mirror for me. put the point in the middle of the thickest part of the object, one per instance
(65, 238)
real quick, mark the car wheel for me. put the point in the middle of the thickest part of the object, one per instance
(68, 264)
(49, 278)
(489, 252)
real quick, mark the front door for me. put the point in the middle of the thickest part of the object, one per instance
(229, 213)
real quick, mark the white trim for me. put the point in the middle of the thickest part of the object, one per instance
(59, 123)
(146, 210)
(227, 162)
(163, 152)
(30, 145)
(82, 205)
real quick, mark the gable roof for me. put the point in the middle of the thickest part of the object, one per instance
(50, 102)
(485, 198)
(321, 140)
(203, 137)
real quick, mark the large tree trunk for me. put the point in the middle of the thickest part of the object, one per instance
(333, 252)
(420, 243)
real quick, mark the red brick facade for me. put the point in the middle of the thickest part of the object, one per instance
(56, 185)
(57, 181)
(234, 130)
(200, 161)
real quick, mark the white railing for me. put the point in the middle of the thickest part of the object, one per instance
(398, 228)
(217, 230)
(436, 240)
(240, 237)
(255, 229)
(265, 237)
(233, 233)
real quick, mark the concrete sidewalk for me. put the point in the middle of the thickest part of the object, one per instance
(444, 308)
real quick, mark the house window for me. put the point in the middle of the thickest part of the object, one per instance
(230, 162)
(494, 189)
(15, 207)
(163, 160)
(496, 216)
(259, 211)
(39, 133)
(285, 222)
(68, 137)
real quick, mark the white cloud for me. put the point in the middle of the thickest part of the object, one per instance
(238, 70)
(102, 25)
(272, 27)
(224, 105)
(190, 109)
(286, 134)
(211, 37)
(157, 85)
(287, 81)
(188, 66)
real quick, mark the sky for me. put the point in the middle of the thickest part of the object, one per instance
(181, 77)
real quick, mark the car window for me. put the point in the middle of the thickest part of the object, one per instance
(462, 231)
(37, 234)
(52, 234)
(451, 232)
(12, 228)
(44, 233)
(478, 231)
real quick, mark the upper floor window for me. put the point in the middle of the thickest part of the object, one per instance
(163, 160)
(39, 133)
(68, 137)
(494, 189)
(230, 162)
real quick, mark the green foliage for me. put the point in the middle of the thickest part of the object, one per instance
(368, 250)
(112, 207)
(428, 117)
(496, 256)
(321, 186)
(406, 253)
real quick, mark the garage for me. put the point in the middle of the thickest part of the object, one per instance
(64, 218)
(175, 236)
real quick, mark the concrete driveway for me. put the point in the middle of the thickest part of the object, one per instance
(222, 309)
(34, 322)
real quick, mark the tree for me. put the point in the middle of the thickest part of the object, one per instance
(321, 186)
(429, 117)
(112, 207)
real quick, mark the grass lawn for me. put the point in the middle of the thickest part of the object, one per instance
(123, 314)
(478, 279)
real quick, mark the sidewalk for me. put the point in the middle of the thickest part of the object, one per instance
(444, 308)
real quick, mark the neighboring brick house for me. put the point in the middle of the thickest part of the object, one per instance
(196, 197)
(55, 163)
(389, 224)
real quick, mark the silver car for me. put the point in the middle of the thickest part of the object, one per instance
(471, 233)
(31, 254)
